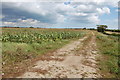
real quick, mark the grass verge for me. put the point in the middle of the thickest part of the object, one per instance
(17, 56)
(108, 48)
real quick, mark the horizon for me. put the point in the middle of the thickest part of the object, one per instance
(56, 27)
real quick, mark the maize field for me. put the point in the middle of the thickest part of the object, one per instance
(39, 36)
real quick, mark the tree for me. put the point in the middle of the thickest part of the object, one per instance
(101, 28)
(31, 27)
(84, 28)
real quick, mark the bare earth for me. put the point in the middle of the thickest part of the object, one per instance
(71, 61)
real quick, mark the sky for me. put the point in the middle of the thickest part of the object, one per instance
(59, 13)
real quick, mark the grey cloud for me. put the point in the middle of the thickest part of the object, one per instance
(14, 12)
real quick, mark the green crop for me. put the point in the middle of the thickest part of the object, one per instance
(38, 36)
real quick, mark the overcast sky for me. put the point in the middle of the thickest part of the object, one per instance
(60, 13)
